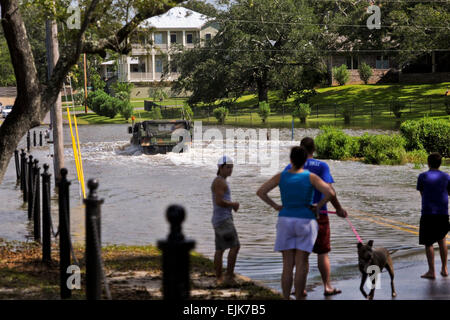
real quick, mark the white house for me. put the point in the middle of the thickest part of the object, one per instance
(155, 39)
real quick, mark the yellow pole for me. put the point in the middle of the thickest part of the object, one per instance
(80, 161)
(74, 146)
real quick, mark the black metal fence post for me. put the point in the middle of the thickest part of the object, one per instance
(37, 202)
(30, 186)
(22, 171)
(34, 138)
(64, 233)
(16, 161)
(93, 242)
(175, 257)
(46, 219)
(28, 141)
(40, 138)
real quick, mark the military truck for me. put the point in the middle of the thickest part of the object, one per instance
(155, 136)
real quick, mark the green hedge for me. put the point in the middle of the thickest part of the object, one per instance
(333, 143)
(433, 135)
(384, 149)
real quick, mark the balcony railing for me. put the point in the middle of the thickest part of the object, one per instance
(148, 76)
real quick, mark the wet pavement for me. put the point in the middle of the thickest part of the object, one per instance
(407, 281)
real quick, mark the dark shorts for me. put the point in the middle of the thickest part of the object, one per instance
(226, 235)
(322, 244)
(433, 228)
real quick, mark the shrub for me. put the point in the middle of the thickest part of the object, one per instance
(126, 110)
(347, 112)
(341, 74)
(397, 107)
(221, 114)
(418, 157)
(156, 113)
(433, 135)
(365, 72)
(122, 87)
(79, 97)
(187, 112)
(302, 111)
(103, 104)
(332, 143)
(363, 141)
(264, 110)
(385, 149)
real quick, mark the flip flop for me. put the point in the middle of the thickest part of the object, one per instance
(331, 293)
(443, 274)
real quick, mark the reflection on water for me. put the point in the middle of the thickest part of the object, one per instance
(137, 188)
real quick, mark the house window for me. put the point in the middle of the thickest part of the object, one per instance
(355, 62)
(173, 38)
(158, 38)
(158, 65)
(189, 38)
(352, 62)
(134, 67)
(382, 62)
(208, 36)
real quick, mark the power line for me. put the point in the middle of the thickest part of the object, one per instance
(331, 24)
(389, 1)
(322, 50)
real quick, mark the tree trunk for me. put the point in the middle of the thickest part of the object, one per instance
(263, 90)
(56, 108)
(26, 112)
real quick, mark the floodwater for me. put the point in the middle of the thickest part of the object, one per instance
(137, 189)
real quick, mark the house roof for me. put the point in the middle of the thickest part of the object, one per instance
(177, 18)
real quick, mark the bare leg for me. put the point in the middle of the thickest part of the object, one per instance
(323, 262)
(218, 256)
(286, 275)
(301, 272)
(429, 250)
(443, 251)
(231, 262)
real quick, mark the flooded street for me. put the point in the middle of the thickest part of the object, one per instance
(137, 188)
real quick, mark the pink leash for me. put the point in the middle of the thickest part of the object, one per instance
(351, 226)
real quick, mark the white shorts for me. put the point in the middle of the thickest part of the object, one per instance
(296, 233)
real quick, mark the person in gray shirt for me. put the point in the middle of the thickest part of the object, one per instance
(226, 236)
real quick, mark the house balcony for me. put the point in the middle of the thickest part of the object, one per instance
(148, 77)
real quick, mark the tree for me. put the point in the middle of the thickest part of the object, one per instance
(341, 74)
(257, 40)
(365, 72)
(264, 110)
(33, 98)
(302, 111)
(201, 7)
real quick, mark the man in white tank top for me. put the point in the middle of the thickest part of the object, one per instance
(225, 233)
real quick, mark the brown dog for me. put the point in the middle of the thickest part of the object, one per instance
(379, 257)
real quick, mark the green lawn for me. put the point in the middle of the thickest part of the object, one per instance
(370, 106)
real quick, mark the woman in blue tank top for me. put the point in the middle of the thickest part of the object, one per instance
(297, 226)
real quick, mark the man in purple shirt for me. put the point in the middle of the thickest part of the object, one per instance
(322, 245)
(434, 187)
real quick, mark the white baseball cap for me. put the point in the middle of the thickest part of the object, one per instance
(224, 160)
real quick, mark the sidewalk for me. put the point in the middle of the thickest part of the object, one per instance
(407, 281)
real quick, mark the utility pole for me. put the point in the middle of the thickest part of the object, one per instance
(56, 109)
(85, 85)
